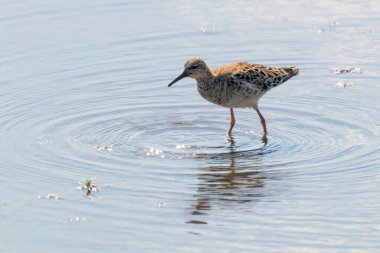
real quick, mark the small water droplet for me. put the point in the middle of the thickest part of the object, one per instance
(341, 84)
(78, 219)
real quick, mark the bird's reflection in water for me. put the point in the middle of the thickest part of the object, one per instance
(232, 178)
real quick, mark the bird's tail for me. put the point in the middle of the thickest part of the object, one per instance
(292, 71)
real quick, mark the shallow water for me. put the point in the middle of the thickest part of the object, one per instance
(84, 95)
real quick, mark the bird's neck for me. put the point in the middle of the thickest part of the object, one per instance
(205, 77)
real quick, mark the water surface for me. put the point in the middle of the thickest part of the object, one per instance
(84, 95)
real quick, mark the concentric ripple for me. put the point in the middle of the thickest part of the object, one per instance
(126, 129)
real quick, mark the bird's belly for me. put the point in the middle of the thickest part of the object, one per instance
(229, 99)
(232, 102)
(240, 102)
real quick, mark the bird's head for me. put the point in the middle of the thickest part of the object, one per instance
(195, 68)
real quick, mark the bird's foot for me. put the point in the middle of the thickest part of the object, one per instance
(265, 139)
(231, 140)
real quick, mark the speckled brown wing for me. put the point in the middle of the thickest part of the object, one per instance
(234, 68)
(264, 78)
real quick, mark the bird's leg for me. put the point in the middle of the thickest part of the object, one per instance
(262, 120)
(232, 121)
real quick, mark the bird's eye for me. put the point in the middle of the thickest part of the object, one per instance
(194, 67)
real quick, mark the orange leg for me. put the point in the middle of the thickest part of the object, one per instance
(262, 120)
(232, 121)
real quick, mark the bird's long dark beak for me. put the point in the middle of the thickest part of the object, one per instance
(183, 75)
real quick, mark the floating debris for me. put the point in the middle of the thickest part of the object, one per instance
(346, 70)
(341, 85)
(89, 188)
(51, 196)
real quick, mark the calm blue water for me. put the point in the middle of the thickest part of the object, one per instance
(84, 96)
